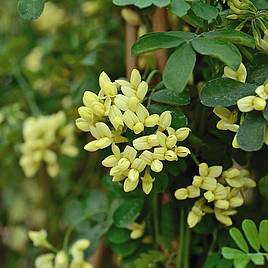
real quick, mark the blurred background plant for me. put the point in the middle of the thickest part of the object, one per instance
(45, 66)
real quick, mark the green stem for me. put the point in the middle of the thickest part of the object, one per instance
(181, 240)
(151, 75)
(195, 159)
(26, 91)
(155, 218)
(186, 247)
(71, 228)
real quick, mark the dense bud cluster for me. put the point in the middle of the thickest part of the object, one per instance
(220, 192)
(118, 109)
(46, 137)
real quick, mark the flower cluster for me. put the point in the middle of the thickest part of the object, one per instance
(118, 110)
(258, 103)
(220, 192)
(45, 137)
(60, 259)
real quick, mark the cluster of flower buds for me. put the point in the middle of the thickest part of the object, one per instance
(45, 137)
(241, 8)
(118, 109)
(60, 259)
(245, 11)
(220, 192)
(258, 103)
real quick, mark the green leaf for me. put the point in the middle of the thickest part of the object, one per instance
(179, 68)
(178, 117)
(265, 113)
(118, 235)
(241, 261)
(204, 11)
(30, 9)
(156, 40)
(263, 186)
(250, 134)
(225, 264)
(193, 20)
(225, 92)
(257, 259)
(187, 36)
(150, 259)
(212, 260)
(179, 7)
(142, 3)
(233, 36)
(224, 51)
(231, 253)
(127, 248)
(251, 233)
(259, 74)
(161, 3)
(171, 97)
(128, 212)
(263, 233)
(239, 239)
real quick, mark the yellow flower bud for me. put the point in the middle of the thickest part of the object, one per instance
(45, 260)
(147, 182)
(171, 141)
(182, 151)
(171, 155)
(203, 169)
(181, 194)
(259, 104)
(246, 104)
(151, 120)
(142, 90)
(39, 238)
(193, 219)
(83, 124)
(159, 153)
(222, 204)
(236, 201)
(209, 196)
(262, 92)
(156, 165)
(221, 217)
(197, 181)
(209, 184)
(135, 78)
(235, 143)
(240, 74)
(138, 128)
(130, 185)
(133, 175)
(61, 260)
(165, 120)
(193, 191)
(182, 133)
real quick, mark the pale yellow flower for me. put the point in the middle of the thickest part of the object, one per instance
(240, 74)
(45, 261)
(147, 182)
(137, 230)
(61, 260)
(103, 136)
(39, 238)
